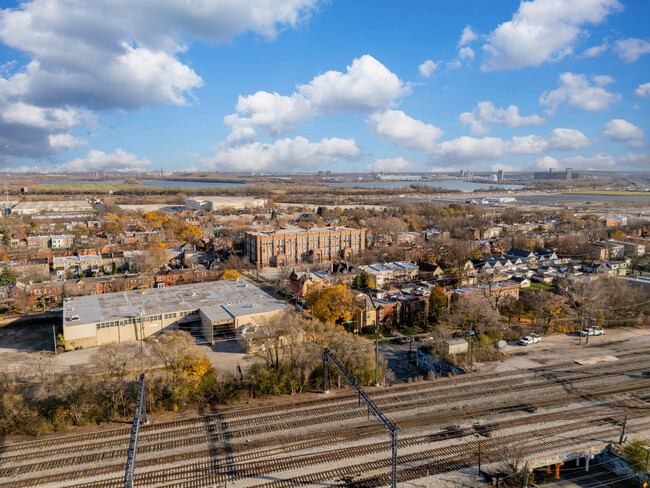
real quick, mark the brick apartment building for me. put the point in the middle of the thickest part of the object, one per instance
(303, 245)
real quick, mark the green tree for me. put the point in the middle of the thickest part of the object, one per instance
(356, 283)
(437, 305)
(636, 454)
(7, 277)
(114, 268)
(6, 238)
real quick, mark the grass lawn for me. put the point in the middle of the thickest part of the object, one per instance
(411, 330)
(611, 192)
(539, 286)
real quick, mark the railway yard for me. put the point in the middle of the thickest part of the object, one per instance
(327, 440)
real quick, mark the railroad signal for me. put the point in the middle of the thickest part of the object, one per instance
(390, 425)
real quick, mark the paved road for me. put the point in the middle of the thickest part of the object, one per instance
(397, 357)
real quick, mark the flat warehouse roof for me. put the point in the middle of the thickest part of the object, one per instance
(222, 300)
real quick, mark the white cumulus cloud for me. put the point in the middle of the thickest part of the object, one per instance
(119, 161)
(112, 54)
(465, 53)
(402, 130)
(544, 163)
(366, 86)
(622, 130)
(391, 165)
(543, 30)
(427, 68)
(558, 140)
(66, 141)
(464, 150)
(635, 159)
(629, 50)
(643, 91)
(599, 161)
(576, 90)
(283, 155)
(485, 113)
(467, 36)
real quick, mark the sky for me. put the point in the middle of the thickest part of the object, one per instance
(304, 85)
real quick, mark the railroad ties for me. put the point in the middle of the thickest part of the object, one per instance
(328, 440)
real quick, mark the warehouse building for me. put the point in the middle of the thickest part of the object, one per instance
(72, 207)
(218, 203)
(551, 174)
(217, 309)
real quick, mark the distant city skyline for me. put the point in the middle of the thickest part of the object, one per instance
(304, 85)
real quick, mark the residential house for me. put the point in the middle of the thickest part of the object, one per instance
(431, 271)
(616, 249)
(89, 263)
(599, 252)
(629, 248)
(398, 272)
(29, 270)
(38, 242)
(366, 312)
(301, 282)
(612, 268)
(527, 257)
(62, 241)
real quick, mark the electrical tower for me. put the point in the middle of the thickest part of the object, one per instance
(139, 416)
(390, 425)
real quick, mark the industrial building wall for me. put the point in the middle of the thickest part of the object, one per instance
(206, 327)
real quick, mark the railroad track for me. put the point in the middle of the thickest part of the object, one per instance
(169, 439)
(387, 399)
(552, 385)
(234, 452)
(208, 473)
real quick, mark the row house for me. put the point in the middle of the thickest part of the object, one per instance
(138, 237)
(38, 242)
(495, 290)
(29, 270)
(89, 263)
(397, 272)
(302, 282)
(527, 257)
(629, 248)
(173, 277)
(62, 241)
(431, 271)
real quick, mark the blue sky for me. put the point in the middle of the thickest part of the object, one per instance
(303, 85)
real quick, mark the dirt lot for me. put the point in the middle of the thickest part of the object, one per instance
(559, 348)
(31, 345)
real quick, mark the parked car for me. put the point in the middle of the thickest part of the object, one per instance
(530, 339)
(592, 331)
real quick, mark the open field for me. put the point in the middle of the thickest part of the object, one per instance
(611, 192)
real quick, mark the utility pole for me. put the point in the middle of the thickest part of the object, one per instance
(376, 355)
(647, 455)
(142, 341)
(479, 456)
(622, 439)
(54, 336)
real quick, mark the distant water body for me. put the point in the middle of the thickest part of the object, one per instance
(165, 183)
(464, 186)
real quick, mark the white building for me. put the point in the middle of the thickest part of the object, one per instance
(217, 203)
